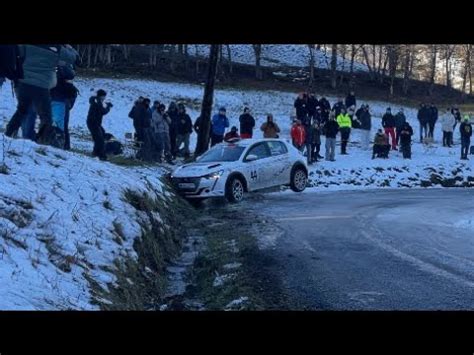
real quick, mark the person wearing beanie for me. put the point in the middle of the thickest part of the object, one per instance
(184, 130)
(447, 125)
(389, 125)
(270, 128)
(97, 111)
(298, 135)
(232, 135)
(247, 123)
(466, 133)
(219, 123)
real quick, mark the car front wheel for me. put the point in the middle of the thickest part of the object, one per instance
(299, 179)
(234, 189)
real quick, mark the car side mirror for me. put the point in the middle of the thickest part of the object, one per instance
(251, 157)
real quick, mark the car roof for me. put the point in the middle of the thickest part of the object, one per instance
(247, 142)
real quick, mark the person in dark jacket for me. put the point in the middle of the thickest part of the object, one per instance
(247, 123)
(388, 123)
(325, 109)
(457, 116)
(351, 100)
(312, 104)
(433, 118)
(337, 108)
(184, 130)
(173, 115)
(318, 115)
(381, 145)
(140, 116)
(301, 106)
(97, 110)
(233, 134)
(365, 125)
(466, 133)
(331, 128)
(315, 141)
(423, 118)
(400, 120)
(405, 140)
(219, 123)
(40, 62)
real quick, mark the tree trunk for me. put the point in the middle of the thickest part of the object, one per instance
(434, 50)
(229, 57)
(89, 55)
(392, 55)
(334, 66)
(406, 69)
(367, 62)
(108, 54)
(125, 51)
(186, 58)
(197, 62)
(341, 72)
(311, 66)
(206, 109)
(258, 69)
(351, 71)
(96, 56)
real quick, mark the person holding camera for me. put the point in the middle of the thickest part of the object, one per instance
(97, 111)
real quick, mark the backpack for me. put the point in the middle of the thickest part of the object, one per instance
(11, 65)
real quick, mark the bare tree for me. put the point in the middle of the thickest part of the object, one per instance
(229, 57)
(448, 53)
(434, 52)
(367, 62)
(393, 55)
(406, 67)
(334, 66)
(311, 66)
(206, 109)
(257, 48)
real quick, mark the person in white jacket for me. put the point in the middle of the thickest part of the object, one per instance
(447, 125)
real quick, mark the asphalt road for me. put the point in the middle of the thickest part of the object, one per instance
(371, 250)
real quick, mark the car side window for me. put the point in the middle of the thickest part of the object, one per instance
(260, 150)
(277, 148)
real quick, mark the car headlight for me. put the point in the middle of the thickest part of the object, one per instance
(214, 176)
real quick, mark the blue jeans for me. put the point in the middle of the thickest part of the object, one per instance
(28, 124)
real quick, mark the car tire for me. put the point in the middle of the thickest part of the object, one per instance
(234, 189)
(299, 179)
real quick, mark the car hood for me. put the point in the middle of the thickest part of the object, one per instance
(200, 169)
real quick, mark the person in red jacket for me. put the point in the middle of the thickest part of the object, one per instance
(298, 135)
(232, 135)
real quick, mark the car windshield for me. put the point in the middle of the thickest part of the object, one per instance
(222, 153)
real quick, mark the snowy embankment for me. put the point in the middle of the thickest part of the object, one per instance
(65, 222)
(281, 55)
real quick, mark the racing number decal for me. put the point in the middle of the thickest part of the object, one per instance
(253, 174)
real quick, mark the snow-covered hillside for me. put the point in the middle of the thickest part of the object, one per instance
(64, 217)
(281, 55)
(123, 92)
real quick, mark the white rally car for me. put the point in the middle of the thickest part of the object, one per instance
(230, 169)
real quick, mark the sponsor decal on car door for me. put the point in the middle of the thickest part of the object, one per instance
(279, 172)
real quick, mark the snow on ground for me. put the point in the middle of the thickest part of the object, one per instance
(278, 55)
(57, 209)
(63, 215)
(356, 170)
